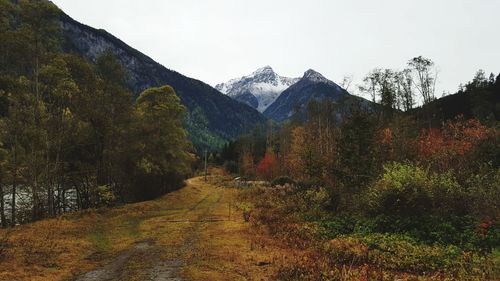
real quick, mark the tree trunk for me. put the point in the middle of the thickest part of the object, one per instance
(14, 183)
(2, 207)
(100, 177)
(50, 182)
(34, 188)
(36, 199)
(59, 200)
(13, 209)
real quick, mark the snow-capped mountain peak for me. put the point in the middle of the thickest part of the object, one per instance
(259, 89)
(315, 76)
(265, 69)
(294, 100)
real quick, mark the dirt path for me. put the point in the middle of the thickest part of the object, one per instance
(189, 234)
(172, 244)
(165, 263)
(162, 270)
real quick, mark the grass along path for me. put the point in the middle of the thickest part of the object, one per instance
(190, 234)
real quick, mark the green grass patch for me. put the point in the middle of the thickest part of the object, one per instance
(403, 253)
(99, 239)
(133, 226)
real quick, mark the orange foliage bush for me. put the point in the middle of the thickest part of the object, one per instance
(247, 165)
(457, 137)
(431, 142)
(268, 167)
(463, 135)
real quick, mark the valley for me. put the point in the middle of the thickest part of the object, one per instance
(114, 166)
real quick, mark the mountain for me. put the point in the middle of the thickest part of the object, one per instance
(259, 89)
(311, 86)
(213, 117)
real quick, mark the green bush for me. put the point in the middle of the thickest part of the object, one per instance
(484, 189)
(393, 252)
(404, 189)
(347, 224)
(462, 231)
(397, 252)
(231, 167)
(104, 196)
(340, 225)
(433, 229)
(282, 181)
(315, 202)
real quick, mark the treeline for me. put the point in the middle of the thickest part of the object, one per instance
(402, 171)
(72, 136)
(403, 90)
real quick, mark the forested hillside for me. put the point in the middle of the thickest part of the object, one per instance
(211, 119)
(73, 136)
(479, 99)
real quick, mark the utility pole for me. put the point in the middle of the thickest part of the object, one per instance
(205, 165)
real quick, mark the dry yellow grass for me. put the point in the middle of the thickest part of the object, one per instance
(194, 225)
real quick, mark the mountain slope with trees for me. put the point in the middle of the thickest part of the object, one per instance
(213, 118)
(479, 99)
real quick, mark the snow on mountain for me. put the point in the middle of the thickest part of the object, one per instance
(312, 86)
(259, 89)
(313, 76)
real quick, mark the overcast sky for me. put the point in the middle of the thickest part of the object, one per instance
(215, 40)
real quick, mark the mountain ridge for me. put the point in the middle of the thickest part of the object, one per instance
(259, 89)
(217, 117)
(312, 85)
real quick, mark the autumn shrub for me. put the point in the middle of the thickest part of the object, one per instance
(288, 212)
(348, 250)
(307, 268)
(246, 209)
(444, 149)
(318, 267)
(305, 204)
(268, 204)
